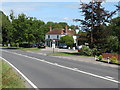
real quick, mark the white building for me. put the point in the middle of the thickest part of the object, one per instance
(56, 34)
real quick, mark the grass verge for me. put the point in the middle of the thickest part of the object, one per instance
(29, 49)
(67, 54)
(105, 60)
(25, 49)
(0, 74)
(70, 49)
(10, 78)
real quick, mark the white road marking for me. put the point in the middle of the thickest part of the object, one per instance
(109, 77)
(55, 63)
(28, 80)
(73, 69)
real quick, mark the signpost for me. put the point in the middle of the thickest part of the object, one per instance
(53, 45)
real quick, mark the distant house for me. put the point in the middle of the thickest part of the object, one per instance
(55, 34)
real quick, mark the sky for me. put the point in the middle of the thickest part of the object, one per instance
(50, 10)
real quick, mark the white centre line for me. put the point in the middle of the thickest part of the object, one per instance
(73, 69)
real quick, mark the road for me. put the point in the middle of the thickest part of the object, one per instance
(52, 72)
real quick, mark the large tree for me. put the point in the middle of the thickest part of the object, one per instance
(20, 29)
(27, 29)
(95, 20)
(6, 28)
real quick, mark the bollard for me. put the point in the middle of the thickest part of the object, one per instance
(96, 59)
(73, 48)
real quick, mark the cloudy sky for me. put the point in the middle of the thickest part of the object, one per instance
(49, 10)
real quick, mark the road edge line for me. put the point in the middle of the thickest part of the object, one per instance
(28, 80)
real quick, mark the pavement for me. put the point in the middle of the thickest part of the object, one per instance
(86, 59)
(50, 50)
(53, 72)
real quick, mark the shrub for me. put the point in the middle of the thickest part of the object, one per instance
(114, 59)
(67, 40)
(86, 51)
(100, 57)
(25, 45)
(95, 52)
(112, 41)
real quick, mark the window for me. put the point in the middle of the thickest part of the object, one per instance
(57, 36)
(48, 36)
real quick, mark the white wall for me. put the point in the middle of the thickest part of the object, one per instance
(75, 37)
(53, 36)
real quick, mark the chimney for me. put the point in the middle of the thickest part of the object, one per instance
(66, 29)
(50, 28)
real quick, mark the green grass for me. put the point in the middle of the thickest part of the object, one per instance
(29, 49)
(70, 49)
(13, 47)
(21, 48)
(67, 54)
(105, 60)
(10, 78)
(0, 74)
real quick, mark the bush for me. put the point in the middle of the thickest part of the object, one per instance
(68, 40)
(86, 51)
(100, 57)
(112, 41)
(25, 45)
(96, 52)
(15, 44)
(114, 59)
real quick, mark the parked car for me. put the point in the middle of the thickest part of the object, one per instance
(34, 45)
(41, 45)
(62, 45)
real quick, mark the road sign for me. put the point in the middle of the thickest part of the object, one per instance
(53, 44)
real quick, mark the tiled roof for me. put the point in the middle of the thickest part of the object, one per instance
(61, 31)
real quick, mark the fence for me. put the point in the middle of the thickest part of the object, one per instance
(105, 55)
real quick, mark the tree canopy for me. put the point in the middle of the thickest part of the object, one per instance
(114, 29)
(16, 30)
(95, 20)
